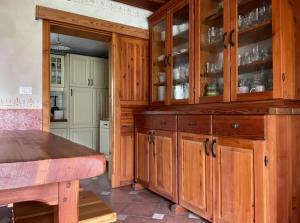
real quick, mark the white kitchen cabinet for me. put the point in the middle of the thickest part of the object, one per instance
(99, 72)
(83, 105)
(57, 72)
(102, 105)
(60, 132)
(85, 136)
(79, 71)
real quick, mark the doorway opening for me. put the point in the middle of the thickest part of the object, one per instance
(78, 88)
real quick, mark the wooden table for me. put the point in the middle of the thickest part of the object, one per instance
(40, 166)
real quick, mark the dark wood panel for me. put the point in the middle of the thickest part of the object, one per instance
(239, 126)
(157, 122)
(195, 124)
(151, 5)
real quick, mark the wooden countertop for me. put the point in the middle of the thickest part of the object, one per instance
(275, 107)
(30, 158)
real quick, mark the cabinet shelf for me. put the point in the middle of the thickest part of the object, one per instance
(253, 67)
(213, 47)
(180, 81)
(181, 38)
(160, 84)
(254, 34)
(212, 74)
(185, 53)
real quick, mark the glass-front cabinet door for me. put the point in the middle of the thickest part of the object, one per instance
(182, 74)
(57, 71)
(212, 61)
(159, 60)
(251, 41)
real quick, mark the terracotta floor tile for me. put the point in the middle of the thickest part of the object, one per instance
(139, 207)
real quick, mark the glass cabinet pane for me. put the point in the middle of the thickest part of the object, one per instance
(180, 54)
(53, 73)
(211, 48)
(254, 57)
(159, 59)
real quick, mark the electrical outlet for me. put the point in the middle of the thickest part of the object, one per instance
(25, 90)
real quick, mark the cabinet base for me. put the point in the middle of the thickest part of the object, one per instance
(178, 210)
(137, 187)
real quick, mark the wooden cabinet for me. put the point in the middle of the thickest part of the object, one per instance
(142, 157)
(239, 50)
(163, 164)
(195, 173)
(172, 71)
(57, 73)
(133, 70)
(238, 180)
(156, 160)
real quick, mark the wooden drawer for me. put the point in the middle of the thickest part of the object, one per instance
(156, 122)
(248, 126)
(195, 124)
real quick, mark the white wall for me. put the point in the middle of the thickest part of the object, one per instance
(21, 42)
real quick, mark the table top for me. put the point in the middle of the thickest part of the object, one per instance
(22, 146)
(29, 158)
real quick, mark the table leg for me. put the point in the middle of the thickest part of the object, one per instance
(68, 193)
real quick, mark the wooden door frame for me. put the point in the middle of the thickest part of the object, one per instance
(91, 28)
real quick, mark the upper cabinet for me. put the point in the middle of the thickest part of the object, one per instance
(212, 53)
(57, 72)
(172, 55)
(132, 69)
(206, 51)
(88, 71)
(254, 41)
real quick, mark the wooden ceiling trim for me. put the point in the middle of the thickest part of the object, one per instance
(151, 5)
(54, 15)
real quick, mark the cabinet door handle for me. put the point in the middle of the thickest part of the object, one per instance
(89, 82)
(231, 41)
(71, 92)
(224, 40)
(213, 145)
(163, 122)
(153, 138)
(149, 137)
(169, 59)
(206, 141)
(235, 125)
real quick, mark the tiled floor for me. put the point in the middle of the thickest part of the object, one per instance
(131, 206)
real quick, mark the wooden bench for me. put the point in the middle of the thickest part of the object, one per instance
(91, 210)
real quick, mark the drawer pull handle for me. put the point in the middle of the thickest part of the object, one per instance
(192, 123)
(213, 146)
(206, 147)
(163, 123)
(235, 125)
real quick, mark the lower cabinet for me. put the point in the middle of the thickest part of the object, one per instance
(163, 164)
(142, 157)
(222, 179)
(60, 132)
(195, 173)
(156, 161)
(85, 136)
(238, 180)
